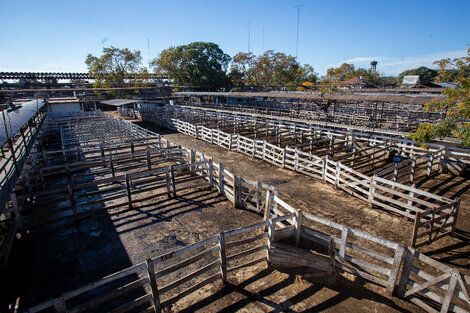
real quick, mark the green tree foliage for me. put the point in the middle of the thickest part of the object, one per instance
(426, 74)
(347, 71)
(116, 67)
(456, 105)
(269, 69)
(196, 64)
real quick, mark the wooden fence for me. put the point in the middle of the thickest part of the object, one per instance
(14, 155)
(382, 193)
(402, 270)
(163, 280)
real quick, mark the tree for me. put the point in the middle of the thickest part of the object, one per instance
(196, 64)
(426, 74)
(347, 71)
(456, 105)
(116, 68)
(270, 68)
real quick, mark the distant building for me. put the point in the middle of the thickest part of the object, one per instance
(411, 80)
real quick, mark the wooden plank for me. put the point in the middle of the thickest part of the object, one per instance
(397, 261)
(245, 253)
(190, 290)
(105, 280)
(153, 285)
(450, 291)
(110, 295)
(251, 263)
(190, 276)
(135, 303)
(186, 262)
(223, 259)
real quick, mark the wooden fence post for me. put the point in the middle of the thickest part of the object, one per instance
(267, 205)
(450, 291)
(325, 166)
(284, 152)
(395, 172)
(264, 149)
(342, 246)
(455, 210)
(235, 191)
(412, 170)
(371, 191)
(296, 159)
(209, 172)
(271, 230)
(128, 190)
(411, 193)
(416, 225)
(221, 179)
(59, 305)
(223, 255)
(405, 273)
(397, 261)
(430, 164)
(297, 227)
(153, 285)
(338, 174)
(172, 176)
(168, 187)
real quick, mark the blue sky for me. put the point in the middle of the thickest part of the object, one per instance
(57, 35)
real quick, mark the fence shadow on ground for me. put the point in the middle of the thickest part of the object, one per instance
(230, 290)
(453, 253)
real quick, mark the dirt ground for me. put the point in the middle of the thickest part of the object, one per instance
(263, 289)
(324, 200)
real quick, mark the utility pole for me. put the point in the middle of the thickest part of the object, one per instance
(298, 23)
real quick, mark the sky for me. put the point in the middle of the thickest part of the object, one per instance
(56, 36)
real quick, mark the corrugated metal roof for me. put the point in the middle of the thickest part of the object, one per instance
(18, 118)
(119, 102)
(309, 96)
(411, 80)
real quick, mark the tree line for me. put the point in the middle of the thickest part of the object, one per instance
(204, 64)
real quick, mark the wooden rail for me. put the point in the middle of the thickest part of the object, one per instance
(379, 192)
(402, 270)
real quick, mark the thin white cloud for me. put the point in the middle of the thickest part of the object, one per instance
(395, 66)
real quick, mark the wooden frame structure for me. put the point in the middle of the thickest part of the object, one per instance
(391, 112)
(353, 161)
(134, 157)
(402, 270)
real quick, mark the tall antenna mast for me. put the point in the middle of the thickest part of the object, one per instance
(148, 49)
(298, 23)
(263, 39)
(249, 36)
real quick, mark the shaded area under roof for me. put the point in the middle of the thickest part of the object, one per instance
(309, 96)
(119, 102)
(18, 118)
